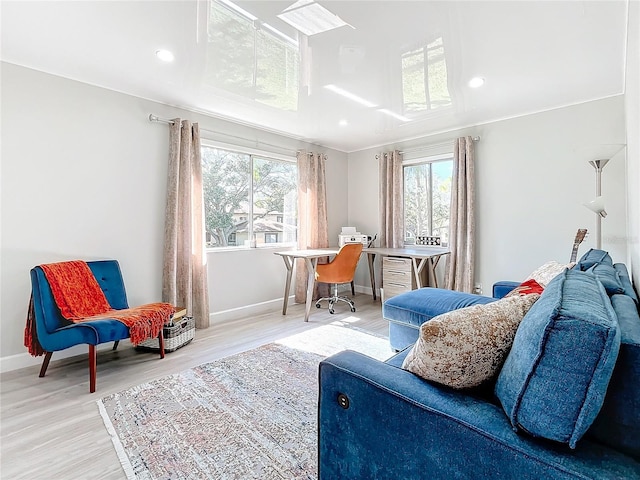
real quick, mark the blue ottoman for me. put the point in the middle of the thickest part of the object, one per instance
(407, 311)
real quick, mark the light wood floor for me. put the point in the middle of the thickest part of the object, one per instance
(51, 428)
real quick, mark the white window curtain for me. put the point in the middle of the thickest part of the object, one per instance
(312, 213)
(184, 273)
(460, 268)
(391, 200)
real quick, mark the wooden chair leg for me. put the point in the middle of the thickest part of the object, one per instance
(115, 344)
(45, 363)
(161, 343)
(93, 360)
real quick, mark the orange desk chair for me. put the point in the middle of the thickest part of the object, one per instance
(340, 270)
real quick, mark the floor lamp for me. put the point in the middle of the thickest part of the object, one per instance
(597, 204)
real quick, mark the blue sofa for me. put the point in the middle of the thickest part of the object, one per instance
(379, 421)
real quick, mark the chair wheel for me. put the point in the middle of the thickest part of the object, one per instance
(317, 305)
(331, 311)
(353, 309)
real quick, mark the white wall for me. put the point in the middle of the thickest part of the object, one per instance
(632, 107)
(532, 178)
(84, 176)
(84, 172)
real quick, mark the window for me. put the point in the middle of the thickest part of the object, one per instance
(427, 197)
(271, 237)
(248, 198)
(424, 78)
(251, 59)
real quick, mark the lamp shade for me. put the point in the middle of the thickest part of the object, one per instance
(597, 206)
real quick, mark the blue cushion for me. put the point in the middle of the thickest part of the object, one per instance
(418, 306)
(608, 276)
(93, 333)
(109, 277)
(555, 377)
(502, 288)
(402, 335)
(593, 257)
(625, 280)
(618, 423)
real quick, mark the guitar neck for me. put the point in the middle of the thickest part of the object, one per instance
(582, 232)
(574, 252)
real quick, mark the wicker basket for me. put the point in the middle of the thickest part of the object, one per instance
(176, 335)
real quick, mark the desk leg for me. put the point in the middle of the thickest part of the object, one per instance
(372, 275)
(433, 263)
(418, 266)
(311, 281)
(287, 286)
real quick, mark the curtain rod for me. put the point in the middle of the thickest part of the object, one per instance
(155, 118)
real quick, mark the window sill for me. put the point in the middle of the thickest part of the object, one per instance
(275, 246)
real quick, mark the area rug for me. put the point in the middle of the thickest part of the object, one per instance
(248, 416)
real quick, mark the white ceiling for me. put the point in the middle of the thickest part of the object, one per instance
(534, 56)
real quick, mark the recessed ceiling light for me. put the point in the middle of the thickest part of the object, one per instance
(343, 123)
(476, 82)
(350, 96)
(164, 55)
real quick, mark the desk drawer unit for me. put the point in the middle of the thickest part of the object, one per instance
(397, 276)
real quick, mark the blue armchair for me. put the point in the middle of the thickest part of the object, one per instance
(55, 333)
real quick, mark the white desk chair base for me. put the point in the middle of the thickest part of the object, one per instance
(336, 298)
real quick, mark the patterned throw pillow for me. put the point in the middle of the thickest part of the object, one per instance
(466, 347)
(526, 288)
(547, 272)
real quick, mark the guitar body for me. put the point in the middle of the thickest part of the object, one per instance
(582, 232)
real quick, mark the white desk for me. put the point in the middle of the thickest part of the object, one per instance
(311, 260)
(420, 257)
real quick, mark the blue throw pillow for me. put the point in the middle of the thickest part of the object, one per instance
(593, 257)
(608, 277)
(618, 423)
(554, 380)
(625, 280)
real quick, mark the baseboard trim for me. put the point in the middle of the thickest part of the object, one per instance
(246, 310)
(24, 360)
(367, 290)
(265, 307)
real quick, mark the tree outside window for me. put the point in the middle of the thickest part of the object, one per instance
(248, 197)
(427, 198)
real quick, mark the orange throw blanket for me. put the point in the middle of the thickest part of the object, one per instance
(30, 333)
(80, 299)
